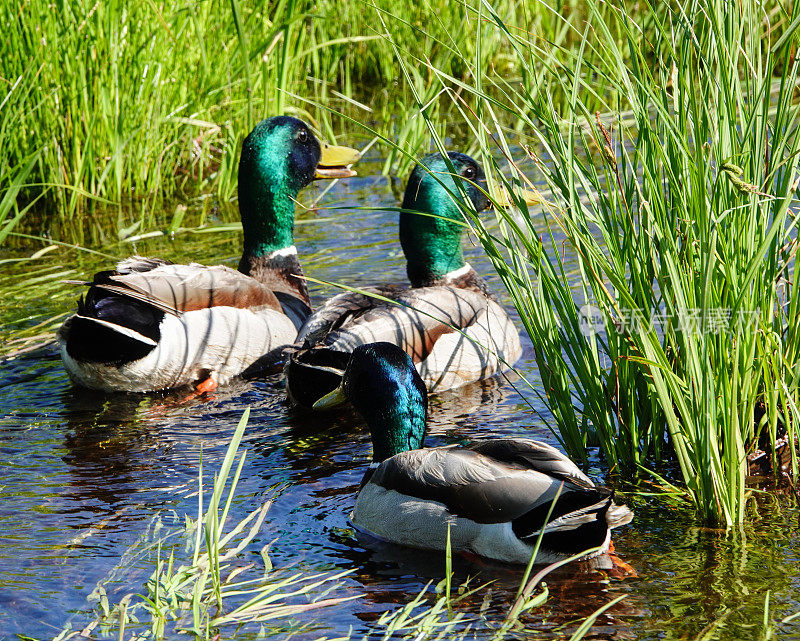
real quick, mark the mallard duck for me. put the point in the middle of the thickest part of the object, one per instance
(453, 328)
(494, 493)
(152, 325)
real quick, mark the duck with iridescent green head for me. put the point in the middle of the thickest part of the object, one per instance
(496, 494)
(447, 321)
(153, 325)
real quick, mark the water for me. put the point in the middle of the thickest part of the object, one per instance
(83, 475)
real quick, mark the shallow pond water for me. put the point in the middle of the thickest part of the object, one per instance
(83, 475)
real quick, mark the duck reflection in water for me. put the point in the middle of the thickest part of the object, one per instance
(394, 575)
(123, 448)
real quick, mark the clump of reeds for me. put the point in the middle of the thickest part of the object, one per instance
(657, 280)
(209, 591)
(106, 102)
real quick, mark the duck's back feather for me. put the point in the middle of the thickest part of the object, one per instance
(474, 485)
(413, 319)
(453, 335)
(534, 455)
(152, 325)
(322, 327)
(178, 289)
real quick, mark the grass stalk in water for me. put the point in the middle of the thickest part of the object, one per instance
(210, 593)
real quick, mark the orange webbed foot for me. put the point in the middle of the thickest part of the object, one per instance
(208, 385)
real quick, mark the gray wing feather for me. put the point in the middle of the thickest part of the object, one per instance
(533, 455)
(179, 288)
(469, 483)
(322, 321)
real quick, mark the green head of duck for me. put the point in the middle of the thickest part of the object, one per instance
(279, 157)
(432, 243)
(384, 387)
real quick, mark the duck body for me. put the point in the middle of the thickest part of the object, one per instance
(447, 321)
(419, 320)
(494, 494)
(172, 326)
(152, 325)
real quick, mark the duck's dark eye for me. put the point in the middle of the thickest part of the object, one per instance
(302, 136)
(469, 172)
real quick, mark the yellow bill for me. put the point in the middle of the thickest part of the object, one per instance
(503, 199)
(331, 399)
(335, 162)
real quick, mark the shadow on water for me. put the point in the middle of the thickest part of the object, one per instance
(83, 474)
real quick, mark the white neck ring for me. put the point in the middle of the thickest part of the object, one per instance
(281, 253)
(458, 273)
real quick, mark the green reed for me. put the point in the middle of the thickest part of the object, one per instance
(133, 105)
(668, 144)
(116, 103)
(143, 101)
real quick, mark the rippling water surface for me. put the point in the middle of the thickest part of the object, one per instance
(83, 475)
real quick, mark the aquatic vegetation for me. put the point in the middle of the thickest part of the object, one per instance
(110, 103)
(680, 337)
(209, 592)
